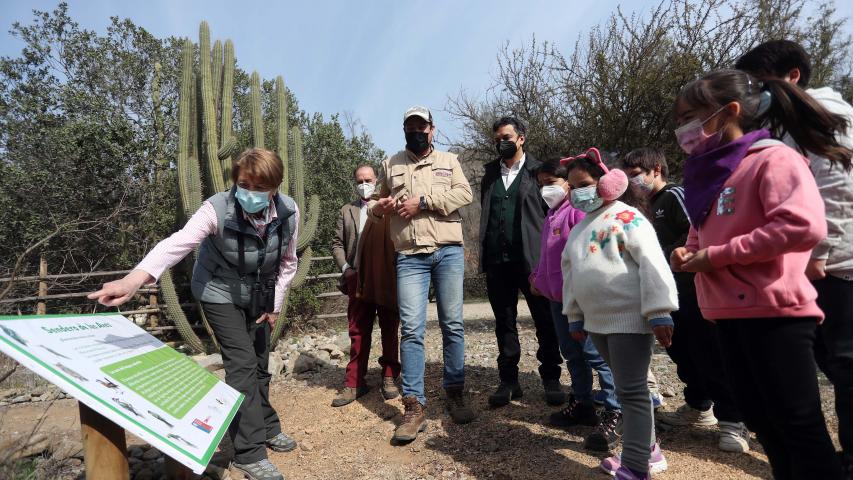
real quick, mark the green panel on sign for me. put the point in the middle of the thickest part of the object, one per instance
(167, 378)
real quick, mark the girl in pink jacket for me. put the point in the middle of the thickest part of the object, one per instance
(756, 213)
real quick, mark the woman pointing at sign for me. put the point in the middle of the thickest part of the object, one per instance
(246, 261)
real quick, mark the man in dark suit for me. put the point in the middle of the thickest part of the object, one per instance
(510, 234)
(360, 311)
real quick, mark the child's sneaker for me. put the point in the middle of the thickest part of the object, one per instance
(606, 436)
(575, 413)
(613, 465)
(734, 437)
(687, 416)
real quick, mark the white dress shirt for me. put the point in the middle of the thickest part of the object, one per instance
(508, 174)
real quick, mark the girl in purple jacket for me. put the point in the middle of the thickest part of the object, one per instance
(581, 357)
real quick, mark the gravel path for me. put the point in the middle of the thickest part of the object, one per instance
(507, 443)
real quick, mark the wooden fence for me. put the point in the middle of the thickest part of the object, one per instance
(154, 309)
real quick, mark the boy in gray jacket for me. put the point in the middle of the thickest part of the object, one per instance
(831, 266)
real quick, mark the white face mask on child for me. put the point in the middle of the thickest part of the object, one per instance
(553, 195)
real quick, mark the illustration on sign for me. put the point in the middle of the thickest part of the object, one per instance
(130, 377)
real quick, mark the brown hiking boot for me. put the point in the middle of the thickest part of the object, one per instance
(348, 395)
(414, 420)
(389, 388)
(455, 405)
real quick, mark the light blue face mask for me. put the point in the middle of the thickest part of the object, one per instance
(252, 202)
(586, 199)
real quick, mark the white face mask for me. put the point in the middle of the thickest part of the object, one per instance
(553, 195)
(365, 190)
(639, 180)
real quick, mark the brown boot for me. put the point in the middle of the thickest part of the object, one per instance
(389, 388)
(456, 408)
(348, 395)
(414, 420)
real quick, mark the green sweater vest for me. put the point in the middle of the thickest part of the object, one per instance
(503, 234)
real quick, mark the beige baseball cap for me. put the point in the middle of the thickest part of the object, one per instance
(418, 111)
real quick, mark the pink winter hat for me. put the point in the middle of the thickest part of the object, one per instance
(612, 184)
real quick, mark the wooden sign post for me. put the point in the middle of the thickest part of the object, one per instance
(105, 450)
(104, 446)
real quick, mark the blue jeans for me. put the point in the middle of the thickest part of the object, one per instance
(581, 358)
(446, 268)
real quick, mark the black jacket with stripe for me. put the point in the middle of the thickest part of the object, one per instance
(669, 217)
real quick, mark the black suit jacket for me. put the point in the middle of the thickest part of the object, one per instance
(531, 208)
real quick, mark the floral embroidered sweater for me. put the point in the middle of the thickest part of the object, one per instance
(615, 276)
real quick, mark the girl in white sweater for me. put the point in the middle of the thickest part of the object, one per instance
(618, 288)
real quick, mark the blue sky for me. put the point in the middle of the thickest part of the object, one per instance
(370, 58)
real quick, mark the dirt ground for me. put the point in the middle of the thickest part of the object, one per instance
(506, 443)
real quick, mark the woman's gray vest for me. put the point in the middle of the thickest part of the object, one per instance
(216, 278)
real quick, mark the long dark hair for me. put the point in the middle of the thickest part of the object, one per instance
(791, 110)
(630, 197)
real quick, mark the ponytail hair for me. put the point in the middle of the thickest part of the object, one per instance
(776, 104)
(814, 128)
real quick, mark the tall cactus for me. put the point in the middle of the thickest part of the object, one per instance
(309, 217)
(227, 113)
(204, 142)
(281, 138)
(257, 113)
(216, 71)
(208, 109)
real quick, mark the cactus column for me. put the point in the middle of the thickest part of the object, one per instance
(202, 142)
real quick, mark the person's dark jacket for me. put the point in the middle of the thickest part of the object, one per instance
(669, 217)
(531, 208)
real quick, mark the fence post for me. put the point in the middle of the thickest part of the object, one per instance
(41, 307)
(104, 446)
(154, 317)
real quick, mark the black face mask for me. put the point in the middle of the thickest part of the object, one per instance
(417, 142)
(506, 149)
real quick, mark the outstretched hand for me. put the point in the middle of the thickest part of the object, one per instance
(117, 292)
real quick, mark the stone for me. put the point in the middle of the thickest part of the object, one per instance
(21, 399)
(306, 446)
(323, 357)
(10, 393)
(342, 341)
(304, 362)
(336, 354)
(67, 447)
(211, 363)
(151, 454)
(329, 347)
(26, 447)
(667, 392)
(289, 365)
(50, 395)
(145, 474)
(135, 451)
(216, 472)
(276, 364)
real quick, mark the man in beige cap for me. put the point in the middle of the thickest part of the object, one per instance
(423, 189)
